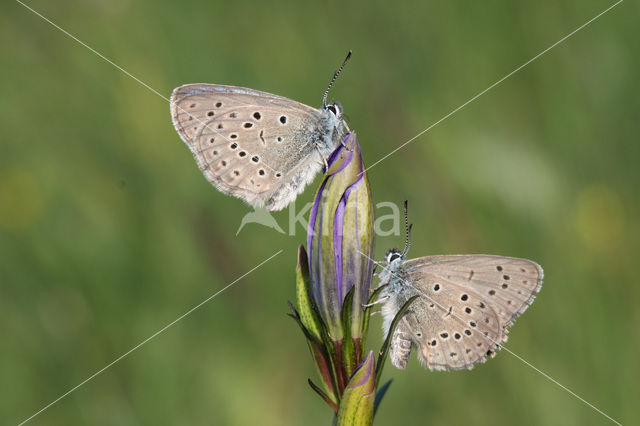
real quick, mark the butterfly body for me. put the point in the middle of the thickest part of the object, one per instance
(254, 145)
(465, 306)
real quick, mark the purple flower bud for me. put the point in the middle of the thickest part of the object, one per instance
(341, 238)
(357, 404)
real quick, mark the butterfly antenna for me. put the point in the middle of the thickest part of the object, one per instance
(407, 243)
(335, 75)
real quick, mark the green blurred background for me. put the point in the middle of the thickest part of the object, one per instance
(108, 231)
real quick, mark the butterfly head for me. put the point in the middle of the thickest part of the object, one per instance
(394, 256)
(335, 108)
(391, 266)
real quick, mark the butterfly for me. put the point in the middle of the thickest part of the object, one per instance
(262, 148)
(464, 308)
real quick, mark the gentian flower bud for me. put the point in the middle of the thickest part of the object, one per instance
(340, 240)
(357, 404)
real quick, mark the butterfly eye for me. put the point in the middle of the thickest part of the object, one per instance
(393, 257)
(332, 109)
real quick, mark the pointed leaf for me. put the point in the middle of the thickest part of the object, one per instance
(367, 312)
(382, 390)
(324, 396)
(320, 355)
(349, 356)
(306, 308)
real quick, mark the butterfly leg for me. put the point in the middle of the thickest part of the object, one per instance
(346, 147)
(324, 160)
(344, 123)
(342, 140)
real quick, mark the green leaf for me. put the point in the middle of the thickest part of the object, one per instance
(329, 400)
(329, 345)
(384, 351)
(349, 356)
(367, 312)
(306, 308)
(382, 391)
(320, 355)
(347, 307)
(296, 317)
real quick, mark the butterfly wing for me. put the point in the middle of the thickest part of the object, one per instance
(466, 306)
(253, 145)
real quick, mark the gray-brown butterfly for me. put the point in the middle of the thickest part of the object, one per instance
(465, 305)
(254, 145)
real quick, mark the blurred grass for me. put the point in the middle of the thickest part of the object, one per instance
(108, 231)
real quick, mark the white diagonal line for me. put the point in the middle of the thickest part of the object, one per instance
(94, 51)
(129, 74)
(148, 339)
(554, 381)
(495, 84)
(500, 345)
